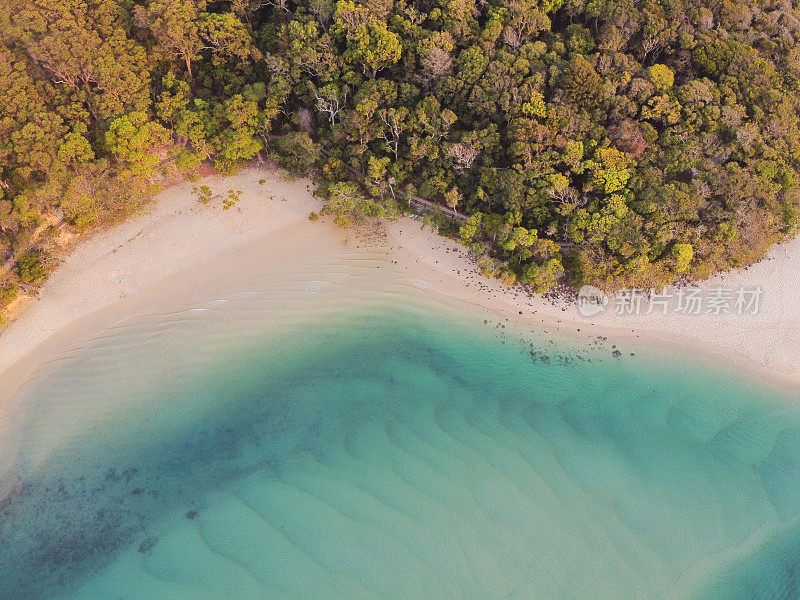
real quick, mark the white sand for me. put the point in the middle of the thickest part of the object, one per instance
(112, 268)
(175, 234)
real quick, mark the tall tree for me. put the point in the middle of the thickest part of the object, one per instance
(175, 25)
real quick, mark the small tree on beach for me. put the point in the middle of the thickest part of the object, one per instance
(203, 193)
(231, 199)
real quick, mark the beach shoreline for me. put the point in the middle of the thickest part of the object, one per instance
(133, 267)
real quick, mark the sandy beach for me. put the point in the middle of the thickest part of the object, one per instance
(760, 336)
(149, 260)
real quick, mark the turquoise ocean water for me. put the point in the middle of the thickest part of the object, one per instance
(384, 449)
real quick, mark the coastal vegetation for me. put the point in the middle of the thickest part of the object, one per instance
(610, 142)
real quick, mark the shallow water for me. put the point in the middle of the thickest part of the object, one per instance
(380, 447)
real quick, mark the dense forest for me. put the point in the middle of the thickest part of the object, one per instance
(614, 142)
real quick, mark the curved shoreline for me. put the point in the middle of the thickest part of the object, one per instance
(114, 269)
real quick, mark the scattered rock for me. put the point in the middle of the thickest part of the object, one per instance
(148, 544)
